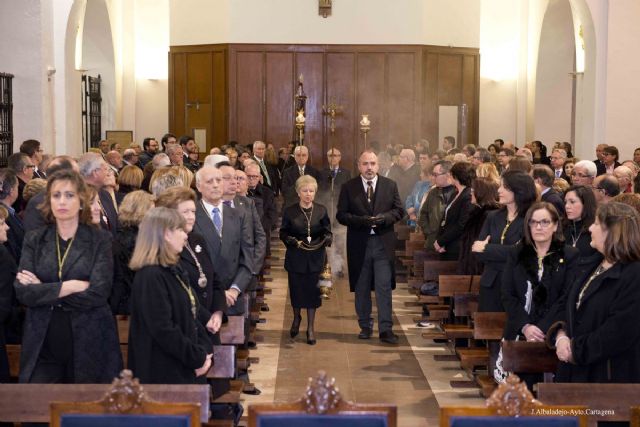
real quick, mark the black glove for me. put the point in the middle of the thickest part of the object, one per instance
(291, 241)
(378, 220)
(328, 239)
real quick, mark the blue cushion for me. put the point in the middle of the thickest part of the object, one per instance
(305, 420)
(513, 421)
(105, 420)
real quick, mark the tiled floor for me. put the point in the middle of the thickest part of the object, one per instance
(365, 371)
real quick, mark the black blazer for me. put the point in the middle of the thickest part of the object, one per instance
(212, 297)
(273, 176)
(580, 238)
(258, 241)
(329, 187)
(123, 246)
(456, 218)
(560, 267)
(33, 218)
(8, 270)
(294, 224)
(15, 237)
(602, 169)
(353, 209)
(110, 211)
(270, 212)
(289, 178)
(555, 198)
(96, 347)
(166, 343)
(605, 339)
(496, 252)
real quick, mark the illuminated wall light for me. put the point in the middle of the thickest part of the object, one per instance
(151, 63)
(499, 63)
(152, 39)
(78, 53)
(579, 49)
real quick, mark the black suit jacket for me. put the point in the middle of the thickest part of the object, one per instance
(353, 209)
(560, 268)
(602, 169)
(555, 198)
(289, 178)
(258, 235)
(273, 176)
(15, 237)
(329, 187)
(96, 347)
(166, 343)
(33, 218)
(110, 211)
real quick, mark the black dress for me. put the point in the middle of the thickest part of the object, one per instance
(167, 343)
(580, 238)
(467, 261)
(123, 246)
(304, 267)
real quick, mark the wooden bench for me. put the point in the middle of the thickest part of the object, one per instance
(529, 358)
(607, 402)
(29, 403)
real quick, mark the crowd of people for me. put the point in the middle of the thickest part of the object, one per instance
(177, 244)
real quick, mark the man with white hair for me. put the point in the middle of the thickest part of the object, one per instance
(160, 160)
(558, 159)
(130, 157)
(114, 158)
(584, 172)
(176, 154)
(268, 172)
(291, 174)
(625, 179)
(95, 172)
(406, 172)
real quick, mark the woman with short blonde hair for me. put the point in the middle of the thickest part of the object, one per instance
(130, 179)
(306, 180)
(133, 208)
(489, 171)
(167, 343)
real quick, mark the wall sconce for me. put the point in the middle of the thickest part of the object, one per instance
(324, 8)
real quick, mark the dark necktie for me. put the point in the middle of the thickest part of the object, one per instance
(369, 191)
(227, 203)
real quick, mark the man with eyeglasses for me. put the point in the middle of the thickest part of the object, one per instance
(482, 155)
(21, 164)
(95, 172)
(504, 157)
(150, 149)
(558, 159)
(31, 148)
(440, 196)
(599, 154)
(406, 173)
(610, 161)
(259, 192)
(583, 173)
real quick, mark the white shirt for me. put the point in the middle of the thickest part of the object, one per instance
(209, 208)
(374, 182)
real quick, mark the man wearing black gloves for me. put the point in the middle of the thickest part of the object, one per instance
(369, 205)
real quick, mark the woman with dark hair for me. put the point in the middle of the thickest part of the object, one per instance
(503, 227)
(484, 199)
(580, 208)
(539, 151)
(456, 213)
(64, 280)
(596, 337)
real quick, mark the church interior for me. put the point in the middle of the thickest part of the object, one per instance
(370, 73)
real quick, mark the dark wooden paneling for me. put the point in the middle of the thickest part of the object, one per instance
(400, 103)
(178, 91)
(430, 105)
(341, 87)
(371, 94)
(219, 103)
(199, 77)
(469, 96)
(279, 87)
(311, 66)
(449, 79)
(249, 91)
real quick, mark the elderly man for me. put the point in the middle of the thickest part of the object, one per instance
(21, 164)
(8, 196)
(369, 205)
(265, 196)
(130, 157)
(95, 172)
(482, 155)
(291, 174)
(600, 154)
(114, 158)
(269, 173)
(175, 153)
(104, 147)
(605, 188)
(406, 173)
(584, 172)
(625, 178)
(558, 159)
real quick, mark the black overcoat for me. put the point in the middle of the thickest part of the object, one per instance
(96, 348)
(166, 343)
(294, 224)
(560, 267)
(605, 339)
(353, 208)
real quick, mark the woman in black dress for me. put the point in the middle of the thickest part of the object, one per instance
(64, 279)
(306, 231)
(502, 229)
(167, 342)
(456, 213)
(580, 209)
(596, 338)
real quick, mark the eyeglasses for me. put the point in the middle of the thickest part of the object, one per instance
(30, 166)
(579, 175)
(253, 176)
(543, 223)
(438, 174)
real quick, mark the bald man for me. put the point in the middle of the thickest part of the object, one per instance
(291, 174)
(405, 173)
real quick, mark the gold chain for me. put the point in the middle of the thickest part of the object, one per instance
(192, 298)
(64, 257)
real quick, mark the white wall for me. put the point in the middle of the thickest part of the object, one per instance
(623, 84)
(553, 99)
(30, 75)
(439, 22)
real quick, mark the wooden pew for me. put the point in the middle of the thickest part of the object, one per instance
(529, 358)
(606, 402)
(29, 403)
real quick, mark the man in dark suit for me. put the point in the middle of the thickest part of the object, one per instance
(290, 175)
(31, 147)
(8, 196)
(405, 173)
(189, 146)
(94, 170)
(268, 172)
(558, 159)
(610, 157)
(599, 154)
(543, 176)
(258, 191)
(228, 236)
(21, 165)
(369, 205)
